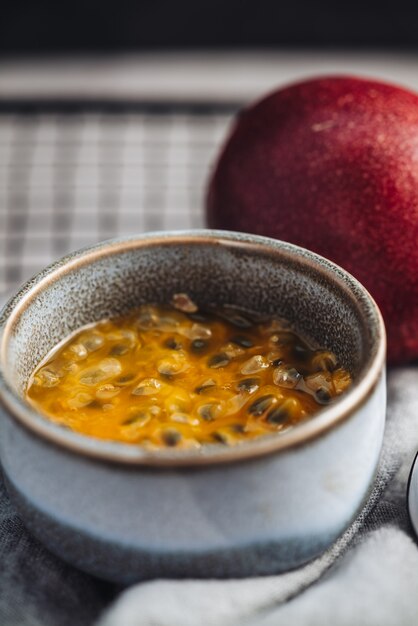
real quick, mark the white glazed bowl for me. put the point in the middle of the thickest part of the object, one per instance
(125, 513)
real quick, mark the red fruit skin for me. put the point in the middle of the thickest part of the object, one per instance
(331, 164)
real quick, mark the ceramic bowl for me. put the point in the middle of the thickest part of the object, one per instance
(125, 514)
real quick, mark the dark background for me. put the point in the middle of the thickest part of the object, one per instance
(127, 25)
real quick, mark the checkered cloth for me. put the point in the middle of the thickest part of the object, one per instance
(69, 180)
(72, 179)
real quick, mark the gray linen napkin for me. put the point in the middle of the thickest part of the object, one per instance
(38, 589)
(369, 577)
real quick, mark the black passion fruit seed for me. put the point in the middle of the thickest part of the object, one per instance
(209, 385)
(171, 438)
(242, 341)
(199, 345)
(260, 406)
(248, 384)
(172, 344)
(218, 360)
(322, 395)
(278, 415)
(239, 321)
(207, 412)
(118, 350)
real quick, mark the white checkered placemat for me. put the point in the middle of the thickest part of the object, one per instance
(68, 180)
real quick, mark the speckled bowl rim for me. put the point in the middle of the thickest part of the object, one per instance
(325, 420)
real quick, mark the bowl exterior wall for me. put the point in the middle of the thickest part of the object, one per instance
(258, 516)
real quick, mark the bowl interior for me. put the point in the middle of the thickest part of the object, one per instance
(321, 301)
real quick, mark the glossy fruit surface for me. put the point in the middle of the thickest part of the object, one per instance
(331, 164)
